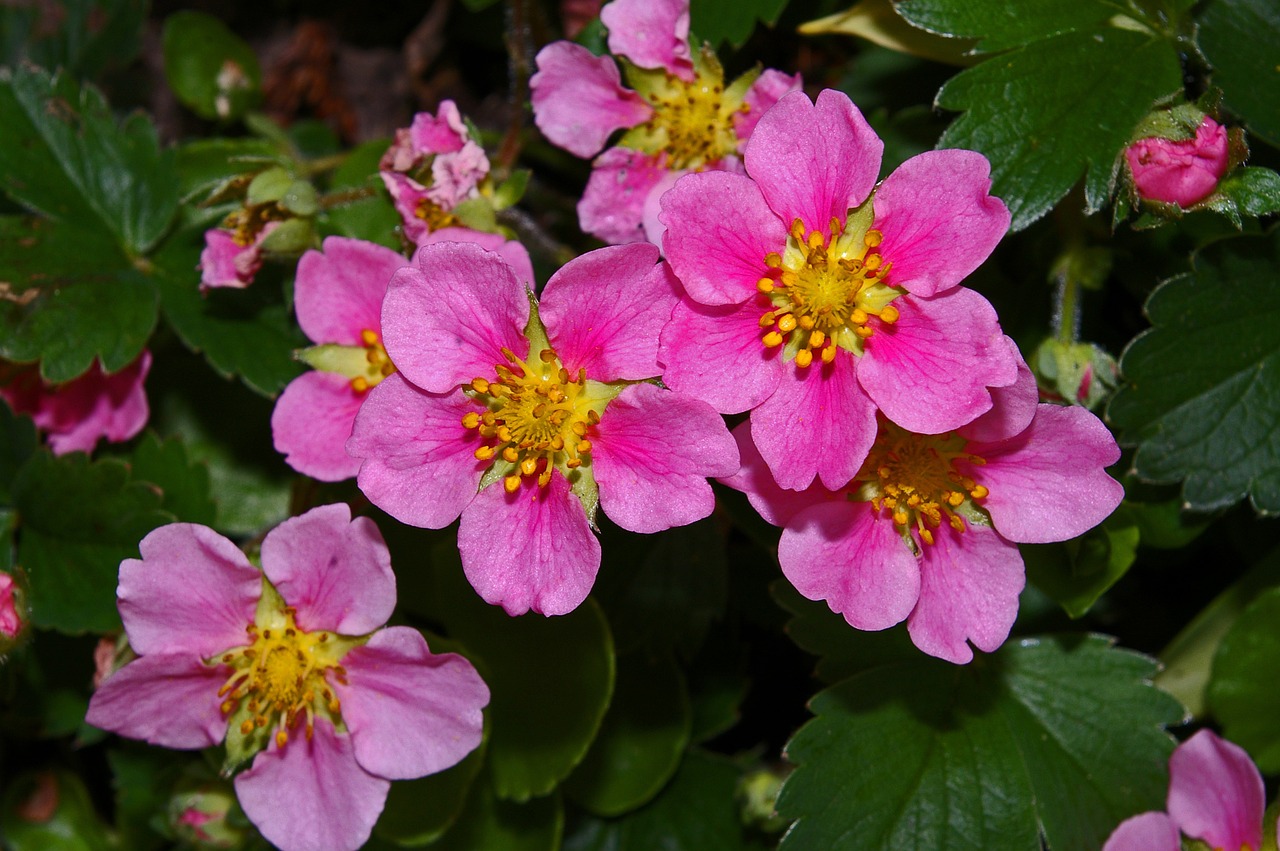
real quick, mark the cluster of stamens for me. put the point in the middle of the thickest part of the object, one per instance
(281, 674)
(694, 121)
(537, 418)
(434, 215)
(247, 222)
(380, 365)
(824, 293)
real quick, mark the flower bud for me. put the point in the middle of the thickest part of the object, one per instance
(1180, 171)
(13, 612)
(199, 817)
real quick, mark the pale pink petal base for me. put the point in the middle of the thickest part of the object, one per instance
(1145, 832)
(166, 699)
(311, 422)
(1216, 793)
(578, 98)
(621, 184)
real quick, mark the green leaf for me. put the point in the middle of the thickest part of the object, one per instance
(1249, 191)
(1241, 691)
(17, 443)
(1239, 39)
(86, 36)
(879, 22)
(717, 21)
(1211, 420)
(182, 483)
(1046, 114)
(209, 166)
(418, 812)
(487, 822)
(1059, 737)
(641, 740)
(372, 217)
(67, 157)
(1076, 573)
(211, 69)
(51, 811)
(1001, 26)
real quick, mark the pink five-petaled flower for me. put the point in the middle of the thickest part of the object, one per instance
(289, 662)
(1215, 794)
(1181, 172)
(232, 257)
(812, 303)
(925, 529)
(681, 115)
(520, 420)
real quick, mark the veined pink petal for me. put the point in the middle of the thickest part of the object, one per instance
(334, 570)
(817, 423)
(312, 795)
(613, 203)
(775, 504)
(719, 230)
(417, 458)
(311, 422)
(192, 591)
(510, 250)
(339, 293)
(603, 312)
(447, 317)
(938, 219)
(532, 549)
(652, 454)
(841, 553)
(442, 133)
(1012, 407)
(578, 98)
(767, 90)
(969, 587)
(1048, 483)
(651, 213)
(76, 415)
(715, 354)
(167, 699)
(410, 712)
(651, 33)
(1145, 832)
(406, 194)
(930, 371)
(814, 161)
(1216, 793)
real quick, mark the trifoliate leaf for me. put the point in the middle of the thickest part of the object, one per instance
(718, 21)
(211, 69)
(1241, 691)
(1201, 401)
(1239, 39)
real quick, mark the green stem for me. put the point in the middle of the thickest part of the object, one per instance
(323, 164)
(346, 196)
(1066, 314)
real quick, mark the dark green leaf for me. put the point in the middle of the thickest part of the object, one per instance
(1249, 191)
(182, 483)
(1239, 39)
(207, 166)
(718, 21)
(17, 443)
(1002, 24)
(1241, 691)
(1211, 421)
(370, 216)
(86, 36)
(418, 812)
(487, 822)
(209, 67)
(1076, 573)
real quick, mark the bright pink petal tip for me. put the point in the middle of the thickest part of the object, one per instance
(578, 98)
(311, 422)
(1216, 793)
(338, 292)
(651, 33)
(618, 192)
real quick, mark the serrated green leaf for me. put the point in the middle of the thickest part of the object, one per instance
(87, 36)
(1002, 24)
(1239, 39)
(1064, 107)
(1253, 191)
(210, 68)
(418, 812)
(487, 822)
(1241, 691)
(1210, 419)
(1076, 573)
(1059, 737)
(182, 483)
(718, 21)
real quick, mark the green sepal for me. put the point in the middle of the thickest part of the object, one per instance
(293, 237)
(511, 190)
(299, 198)
(268, 186)
(477, 214)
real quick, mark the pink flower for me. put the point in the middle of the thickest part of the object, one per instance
(231, 258)
(288, 663)
(812, 302)
(520, 417)
(680, 115)
(1215, 795)
(11, 620)
(1182, 172)
(75, 415)
(926, 530)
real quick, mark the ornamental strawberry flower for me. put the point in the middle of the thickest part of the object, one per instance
(290, 666)
(680, 115)
(521, 417)
(813, 303)
(926, 530)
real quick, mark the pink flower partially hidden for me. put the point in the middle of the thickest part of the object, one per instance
(74, 416)
(520, 417)
(11, 619)
(288, 663)
(1182, 172)
(231, 258)
(1216, 795)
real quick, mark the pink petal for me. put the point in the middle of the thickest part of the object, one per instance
(410, 712)
(938, 221)
(776, 505)
(603, 311)
(447, 317)
(1182, 172)
(417, 458)
(578, 98)
(1048, 483)
(719, 230)
(767, 90)
(312, 795)
(226, 263)
(442, 133)
(406, 194)
(77, 414)
(1145, 832)
(651, 33)
(456, 176)
(311, 423)
(166, 699)
(715, 354)
(192, 591)
(651, 214)
(510, 250)
(339, 293)
(652, 453)
(621, 184)
(1216, 793)
(814, 161)
(969, 589)
(1012, 407)
(817, 423)
(335, 571)
(929, 372)
(840, 552)
(532, 549)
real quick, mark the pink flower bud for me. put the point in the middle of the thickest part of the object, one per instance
(1180, 172)
(10, 617)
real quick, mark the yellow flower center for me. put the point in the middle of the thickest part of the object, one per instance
(379, 366)
(434, 215)
(247, 222)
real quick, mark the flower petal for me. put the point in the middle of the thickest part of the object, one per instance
(775, 504)
(192, 591)
(339, 293)
(652, 453)
(94, 406)
(651, 34)
(410, 712)
(1145, 832)
(1216, 793)
(417, 458)
(969, 587)
(335, 571)
(312, 795)
(532, 549)
(578, 98)
(1012, 407)
(715, 354)
(621, 184)
(406, 194)
(767, 90)
(311, 423)
(510, 250)
(604, 309)
(842, 553)
(166, 699)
